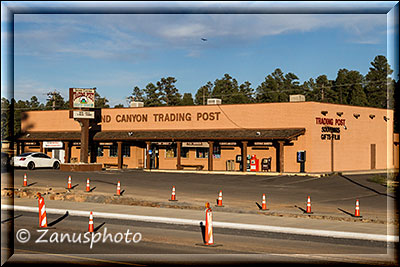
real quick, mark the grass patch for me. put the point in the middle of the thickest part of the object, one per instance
(390, 181)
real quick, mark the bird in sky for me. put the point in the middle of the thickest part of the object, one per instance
(204, 39)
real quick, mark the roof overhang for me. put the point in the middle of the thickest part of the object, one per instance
(172, 135)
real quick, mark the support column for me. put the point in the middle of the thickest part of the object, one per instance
(67, 151)
(119, 143)
(332, 155)
(41, 146)
(22, 147)
(280, 156)
(178, 155)
(210, 155)
(244, 155)
(84, 156)
(148, 155)
(18, 149)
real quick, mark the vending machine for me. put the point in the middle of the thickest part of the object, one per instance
(254, 164)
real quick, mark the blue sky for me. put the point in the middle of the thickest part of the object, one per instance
(115, 52)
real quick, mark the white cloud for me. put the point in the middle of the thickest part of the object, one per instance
(134, 36)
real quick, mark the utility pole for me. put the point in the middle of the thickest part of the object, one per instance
(54, 100)
(322, 93)
(204, 98)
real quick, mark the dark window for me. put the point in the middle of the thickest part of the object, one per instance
(126, 150)
(217, 152)
(171, 152)
(114, 150)
(100, 151)
(201, 153)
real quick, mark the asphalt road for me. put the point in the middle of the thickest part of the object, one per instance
(333, 194)
(181, 241)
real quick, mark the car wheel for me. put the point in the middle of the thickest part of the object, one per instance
(31, 165)
(56, 165)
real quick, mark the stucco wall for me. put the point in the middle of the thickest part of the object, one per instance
(351, 152)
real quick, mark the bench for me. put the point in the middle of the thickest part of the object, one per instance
(198, 167)
(109, 165)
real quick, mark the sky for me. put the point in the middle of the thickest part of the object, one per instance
(116, 52)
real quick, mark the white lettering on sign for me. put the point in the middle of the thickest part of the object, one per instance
(52, 144)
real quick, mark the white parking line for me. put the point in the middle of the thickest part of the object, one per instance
(241, 226)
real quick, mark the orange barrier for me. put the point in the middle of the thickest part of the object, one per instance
(42, 212)
(209, 237)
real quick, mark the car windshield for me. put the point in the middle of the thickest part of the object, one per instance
(24, 155)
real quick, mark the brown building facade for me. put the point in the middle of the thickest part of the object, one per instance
(331, 137)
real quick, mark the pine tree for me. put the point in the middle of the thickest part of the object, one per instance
(152, 98)
(187, 100)
(168, 92)
(377, 82)
(203, 93)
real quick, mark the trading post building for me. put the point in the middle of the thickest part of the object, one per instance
(277, 137)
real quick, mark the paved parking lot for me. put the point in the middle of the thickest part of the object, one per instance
(330, 195)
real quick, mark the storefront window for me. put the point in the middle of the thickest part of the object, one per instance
(100, 151)
(217, 152)
(114, 150)
(184, 152)
(201, 153)
(126, 150)
(171, 152)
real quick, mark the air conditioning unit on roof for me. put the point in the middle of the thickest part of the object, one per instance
(135, 104)
(297, 98)
(214, 101)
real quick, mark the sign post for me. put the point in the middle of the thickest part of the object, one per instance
(83, 98)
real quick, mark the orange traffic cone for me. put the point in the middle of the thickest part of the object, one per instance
(209, 237)
(87, 185)
(91, 228)
(69, 183)
(118, 188)
(264, 203)
(219, 203)
(173, 196)
(42, 212)
(357, 212)
(25, 180)
(308, 209)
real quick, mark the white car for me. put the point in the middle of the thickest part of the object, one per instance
(34, 160)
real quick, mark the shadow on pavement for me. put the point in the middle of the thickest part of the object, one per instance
(59, 219)
(366, 187)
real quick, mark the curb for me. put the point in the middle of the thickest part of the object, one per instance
(237, 173)
(241, 226)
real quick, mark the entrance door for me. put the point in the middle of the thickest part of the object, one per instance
(154, 159)
(59, 154)
(373, 156)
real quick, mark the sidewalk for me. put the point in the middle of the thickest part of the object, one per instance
(221, 219)
(311, 174)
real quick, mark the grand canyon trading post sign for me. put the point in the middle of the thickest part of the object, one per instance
(81, 100)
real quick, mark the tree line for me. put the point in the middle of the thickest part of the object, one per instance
(375, 89)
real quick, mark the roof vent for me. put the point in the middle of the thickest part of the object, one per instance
(297, 98)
